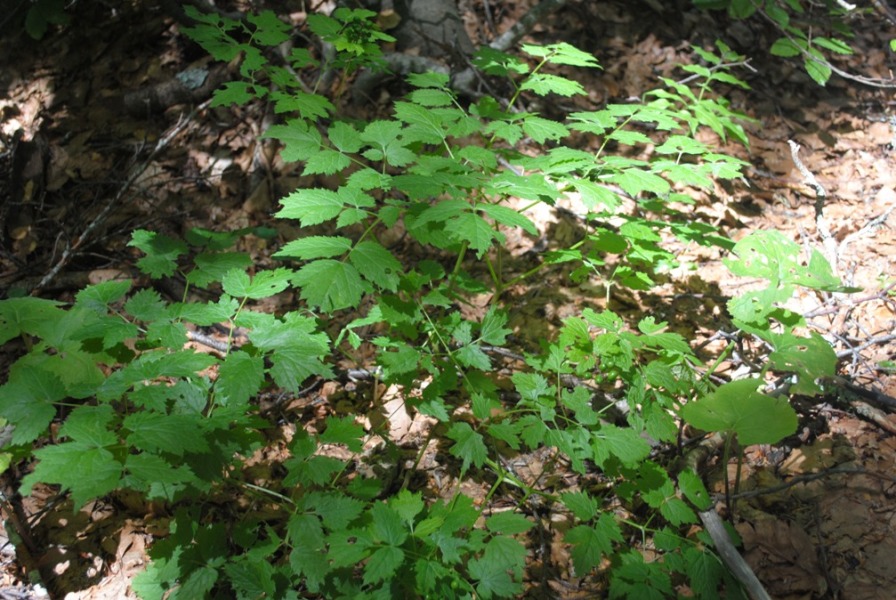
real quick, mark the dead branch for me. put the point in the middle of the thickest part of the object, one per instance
(731, 557)
(71, 249)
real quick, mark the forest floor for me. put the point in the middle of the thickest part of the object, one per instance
(88, 159)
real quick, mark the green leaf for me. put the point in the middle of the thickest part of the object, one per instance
(382, 564)
(819, 72)
(508, 523)
(265, 283)
(692, 487)
(234, 92)
(347, 548)
(343, 430)
(475, 230)
(737, 407)
(635, 181)
(562, 54)
(785, 47)
(623, 443)
(311, 206)
(157, 432)
(809, 358)
(98, 297)
(583, 506)
(330, 285)
(408, 505)
(147, 469)
(34, 316)
(315, 246)
(508, 216)
(211, 266)
(301, 141)
(239, 378)
(493, 331)
(544, 84)
(387, 525)
(376, 264)
(473, 356)
(468, 446)
(87, 471)
(344, 137)
(833, 44)
(300, 144)
(89, 424)
(590, 544)
(492, 580)
(161, 252)
(326, 162)
(540, 129)
(27, 401)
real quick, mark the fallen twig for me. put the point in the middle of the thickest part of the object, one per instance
(72, 248)
(731, 557)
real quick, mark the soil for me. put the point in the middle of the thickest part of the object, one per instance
(104, 151)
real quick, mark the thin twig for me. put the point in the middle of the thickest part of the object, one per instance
(115, 201)
(830, 244)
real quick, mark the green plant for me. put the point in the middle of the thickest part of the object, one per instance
(43, 13)
(139, 411)
(799, 28)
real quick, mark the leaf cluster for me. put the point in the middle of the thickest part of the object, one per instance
(141, 407)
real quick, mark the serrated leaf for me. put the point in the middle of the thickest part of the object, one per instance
(562, 54)
(583, 506)
(27, 401)
(817, 70)
(492, 580)
(635, 181)
(239, 378)
(469, 445)
(344, 137)
(493, 330)
(150, 468)
(161, 252)
(211, 266)
(407, 504)
(89, 425)
(588, 547)
(330, 285)
(540, 129)
(387, 525)
(382, 564)
(300, 140)
(315, 246)
(326, 162)
(530, 386)
(508, 216)
(377, 265)
(264, 284)
(311, 206)
(87, 471)
(475, 230)
(35, 316)
(431, 97)
(234, 92)
(833, 44)
(157, 432)
(623, 443)
(343, 430)
(544, 84)
(508, 523)
(99, 296)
